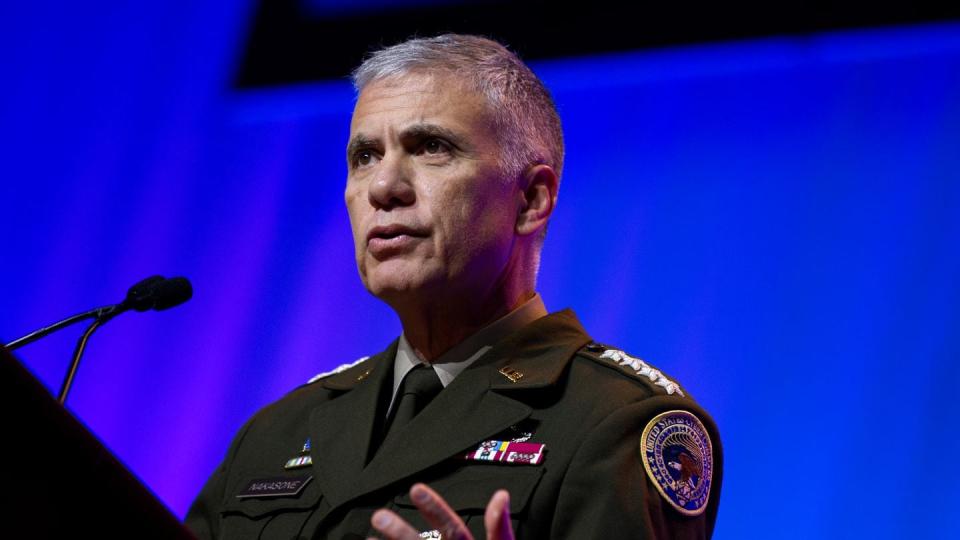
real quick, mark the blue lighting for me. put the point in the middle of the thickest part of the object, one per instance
(772, 222)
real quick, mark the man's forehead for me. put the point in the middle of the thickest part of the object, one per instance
(417, 82)
(416, 98)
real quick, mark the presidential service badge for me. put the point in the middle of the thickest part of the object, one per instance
(677, 453)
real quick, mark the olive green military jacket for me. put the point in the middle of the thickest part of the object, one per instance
(611, 426)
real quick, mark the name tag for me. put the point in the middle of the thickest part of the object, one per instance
(275, 487)
(519, 453)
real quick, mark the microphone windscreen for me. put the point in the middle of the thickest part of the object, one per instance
(141, 296)
(172, 292)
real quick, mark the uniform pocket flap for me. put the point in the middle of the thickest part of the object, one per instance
(256, 496)
(470, 488)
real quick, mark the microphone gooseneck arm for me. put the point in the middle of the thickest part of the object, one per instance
(47, 330)
(99, 315)
(155, 292)
(75, 361)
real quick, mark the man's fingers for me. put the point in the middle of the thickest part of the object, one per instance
(392, 526)
(497, 517)
(438, 513)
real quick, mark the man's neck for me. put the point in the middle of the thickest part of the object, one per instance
(435, 329)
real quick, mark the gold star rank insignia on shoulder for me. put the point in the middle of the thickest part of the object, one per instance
(677, 453)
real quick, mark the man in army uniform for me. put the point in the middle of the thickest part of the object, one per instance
(518, 422)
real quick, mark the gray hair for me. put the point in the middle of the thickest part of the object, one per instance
(523, 112)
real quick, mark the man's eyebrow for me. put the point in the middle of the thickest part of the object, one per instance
(359, 141)
(415, 132)
(426, 131)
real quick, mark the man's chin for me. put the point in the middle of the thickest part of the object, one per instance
(396, 286)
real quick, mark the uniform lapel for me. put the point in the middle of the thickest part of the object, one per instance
(479, 403)
(341, 429)
(465, 412)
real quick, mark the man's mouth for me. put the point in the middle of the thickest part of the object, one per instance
(387, 240)
(386, 232)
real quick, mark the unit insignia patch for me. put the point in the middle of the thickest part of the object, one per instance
(677, 453)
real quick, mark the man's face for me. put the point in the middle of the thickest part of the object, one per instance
(432, 216)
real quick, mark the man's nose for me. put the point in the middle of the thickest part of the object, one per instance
(392, 185)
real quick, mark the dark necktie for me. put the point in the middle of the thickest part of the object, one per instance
(419, 386)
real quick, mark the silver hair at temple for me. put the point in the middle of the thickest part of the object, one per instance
(522, 110)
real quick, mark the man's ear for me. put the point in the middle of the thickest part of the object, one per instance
(538, 197)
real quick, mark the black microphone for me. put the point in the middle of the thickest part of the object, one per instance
(172, 293)
(155, 292)
(142, 296)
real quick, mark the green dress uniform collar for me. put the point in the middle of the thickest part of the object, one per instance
(344, 427)
(453, 362)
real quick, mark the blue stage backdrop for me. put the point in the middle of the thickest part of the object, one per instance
(772, 222)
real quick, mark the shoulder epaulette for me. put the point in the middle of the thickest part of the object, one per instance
(630, 365)
(336, 370)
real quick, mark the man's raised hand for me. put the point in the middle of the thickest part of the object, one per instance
(440, 516)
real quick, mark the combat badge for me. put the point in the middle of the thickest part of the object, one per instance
(678, 456)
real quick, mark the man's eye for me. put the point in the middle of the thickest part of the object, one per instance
(435, 146)
(363, 158)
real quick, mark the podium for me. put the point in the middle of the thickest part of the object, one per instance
(58, 480)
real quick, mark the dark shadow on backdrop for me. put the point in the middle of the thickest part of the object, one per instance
(295, 41)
